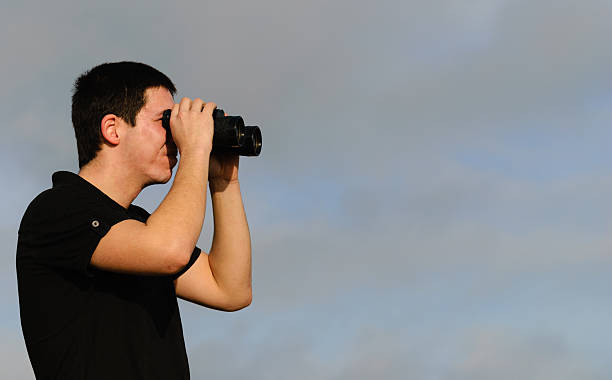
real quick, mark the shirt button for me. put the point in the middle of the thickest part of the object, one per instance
(95, 223)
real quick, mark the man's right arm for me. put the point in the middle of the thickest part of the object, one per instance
(163, 245)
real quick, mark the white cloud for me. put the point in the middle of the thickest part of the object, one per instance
(504, 355)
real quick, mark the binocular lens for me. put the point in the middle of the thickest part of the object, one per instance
(252, 142)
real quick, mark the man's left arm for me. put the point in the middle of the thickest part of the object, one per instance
(222, 278)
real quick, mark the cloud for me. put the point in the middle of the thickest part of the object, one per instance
(336, 85)
(375, 352)
(383, 233)
(14, 362)
(503, 355)
(291, 352)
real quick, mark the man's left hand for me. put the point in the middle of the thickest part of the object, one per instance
(223, 167)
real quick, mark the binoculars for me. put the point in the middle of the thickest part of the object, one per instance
(231, 135)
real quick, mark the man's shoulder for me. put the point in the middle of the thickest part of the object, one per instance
(71, 203)
(61, 205)
(48, 203)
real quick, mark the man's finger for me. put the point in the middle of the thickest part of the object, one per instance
(185, 105)
(209, 108)
(197, 105)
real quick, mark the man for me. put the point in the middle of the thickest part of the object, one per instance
(98, 276)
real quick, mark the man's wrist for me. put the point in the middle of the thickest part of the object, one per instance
(220, 184)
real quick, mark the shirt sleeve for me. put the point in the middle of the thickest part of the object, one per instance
(194, 256)
(141, 214)
(63, 235)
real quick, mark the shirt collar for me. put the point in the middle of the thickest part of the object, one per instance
(61, 178)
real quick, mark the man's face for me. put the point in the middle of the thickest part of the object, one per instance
(151, 153)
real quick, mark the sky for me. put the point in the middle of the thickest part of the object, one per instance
(430, 201)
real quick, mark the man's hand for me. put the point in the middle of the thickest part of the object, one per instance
(192, 125)
(222, 169)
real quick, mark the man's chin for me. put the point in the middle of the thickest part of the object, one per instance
(161, 178)
(167, 177)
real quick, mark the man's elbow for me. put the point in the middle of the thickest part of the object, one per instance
(240, 301)
(179, 256)
(247, 299)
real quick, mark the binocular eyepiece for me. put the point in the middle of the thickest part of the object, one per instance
(231, 135)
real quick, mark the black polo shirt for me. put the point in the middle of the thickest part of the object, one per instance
(80, 322)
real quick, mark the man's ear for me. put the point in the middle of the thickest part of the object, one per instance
(109, 128)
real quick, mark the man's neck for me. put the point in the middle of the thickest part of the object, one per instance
(119, 186)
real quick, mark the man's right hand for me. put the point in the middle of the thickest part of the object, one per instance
(192, 126)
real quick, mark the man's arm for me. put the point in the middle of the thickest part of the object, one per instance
(222, 279)
(164, 243)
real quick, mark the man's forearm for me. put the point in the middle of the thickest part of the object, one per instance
(180, 215)
(230, 253)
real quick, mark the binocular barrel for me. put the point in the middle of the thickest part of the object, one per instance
(230, 134)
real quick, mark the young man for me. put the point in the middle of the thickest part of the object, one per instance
(98, 276)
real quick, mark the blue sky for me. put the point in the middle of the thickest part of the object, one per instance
(431, 201)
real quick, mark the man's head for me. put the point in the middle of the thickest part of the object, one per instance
(118, 89)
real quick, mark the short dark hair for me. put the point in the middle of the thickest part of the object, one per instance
(111, 88)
